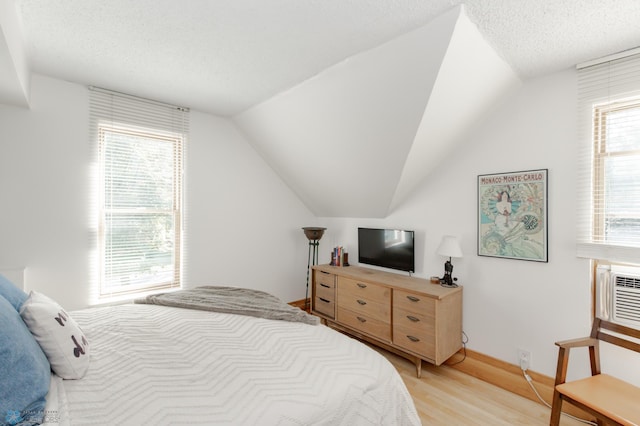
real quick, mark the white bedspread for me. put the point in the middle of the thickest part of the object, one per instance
(157, 365)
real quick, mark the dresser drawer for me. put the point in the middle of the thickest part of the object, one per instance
(366, 307)
(365, 324)
(421, 305)
(417, 339)
(363, 290)
(413, 321)
(324, 306)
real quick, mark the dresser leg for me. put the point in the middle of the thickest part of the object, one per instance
(418, 368)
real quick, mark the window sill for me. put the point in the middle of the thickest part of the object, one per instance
(129, 297)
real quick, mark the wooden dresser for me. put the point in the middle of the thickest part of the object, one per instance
(405, 315)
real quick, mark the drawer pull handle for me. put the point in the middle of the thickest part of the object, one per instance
(324, 300)
(362, 319)
(362, 285)
(362, 302)
(412, 318)
(324, 285)
(413, 339)
(323, 272)
(413, 298)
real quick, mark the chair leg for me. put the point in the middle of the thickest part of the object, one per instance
(556, 409)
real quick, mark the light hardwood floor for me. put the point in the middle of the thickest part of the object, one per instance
(445, 396)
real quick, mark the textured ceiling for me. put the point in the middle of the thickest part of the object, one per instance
(224, 56)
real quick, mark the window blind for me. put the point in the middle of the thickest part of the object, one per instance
(608, 209)
(139, 147)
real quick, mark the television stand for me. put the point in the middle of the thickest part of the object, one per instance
(405, 315)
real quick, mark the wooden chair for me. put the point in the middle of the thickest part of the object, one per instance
(608, 399)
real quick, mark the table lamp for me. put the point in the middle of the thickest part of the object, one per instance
(449, 247)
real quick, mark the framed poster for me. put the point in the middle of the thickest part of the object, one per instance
(512, 215)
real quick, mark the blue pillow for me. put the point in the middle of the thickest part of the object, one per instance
(25, 372)
(13, 294)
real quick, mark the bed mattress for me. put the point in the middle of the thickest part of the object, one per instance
(161, 365)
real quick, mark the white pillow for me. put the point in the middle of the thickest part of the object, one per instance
(59, 336)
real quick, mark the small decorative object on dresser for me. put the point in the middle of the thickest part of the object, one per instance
(403, 314)
(339, 256)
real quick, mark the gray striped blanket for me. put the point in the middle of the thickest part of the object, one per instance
(231, 300)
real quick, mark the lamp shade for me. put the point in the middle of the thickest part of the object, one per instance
(313, 233)
(449, 246)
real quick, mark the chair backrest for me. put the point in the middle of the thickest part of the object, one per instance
(616, 334)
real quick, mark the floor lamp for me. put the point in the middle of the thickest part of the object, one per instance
(313, 234)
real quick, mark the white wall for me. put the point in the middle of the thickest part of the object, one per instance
(44, 173)
(508, 304)
(244, 223)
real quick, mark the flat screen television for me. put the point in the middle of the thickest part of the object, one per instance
(388, 248)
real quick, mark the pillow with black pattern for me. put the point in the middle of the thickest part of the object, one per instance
(58, 334)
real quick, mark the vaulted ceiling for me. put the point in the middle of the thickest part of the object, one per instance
(352, 103)
(356, 139)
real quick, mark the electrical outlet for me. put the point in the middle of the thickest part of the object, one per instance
(524, 359)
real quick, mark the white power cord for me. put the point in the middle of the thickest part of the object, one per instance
(530, 381)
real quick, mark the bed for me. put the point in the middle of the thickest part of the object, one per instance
(155, 364)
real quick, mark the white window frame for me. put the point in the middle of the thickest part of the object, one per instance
(175, 211)
(601, 212)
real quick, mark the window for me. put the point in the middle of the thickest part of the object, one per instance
(609, 169)
(139, 157)
(617, 173)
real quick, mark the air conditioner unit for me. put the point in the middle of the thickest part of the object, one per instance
(618, 294)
